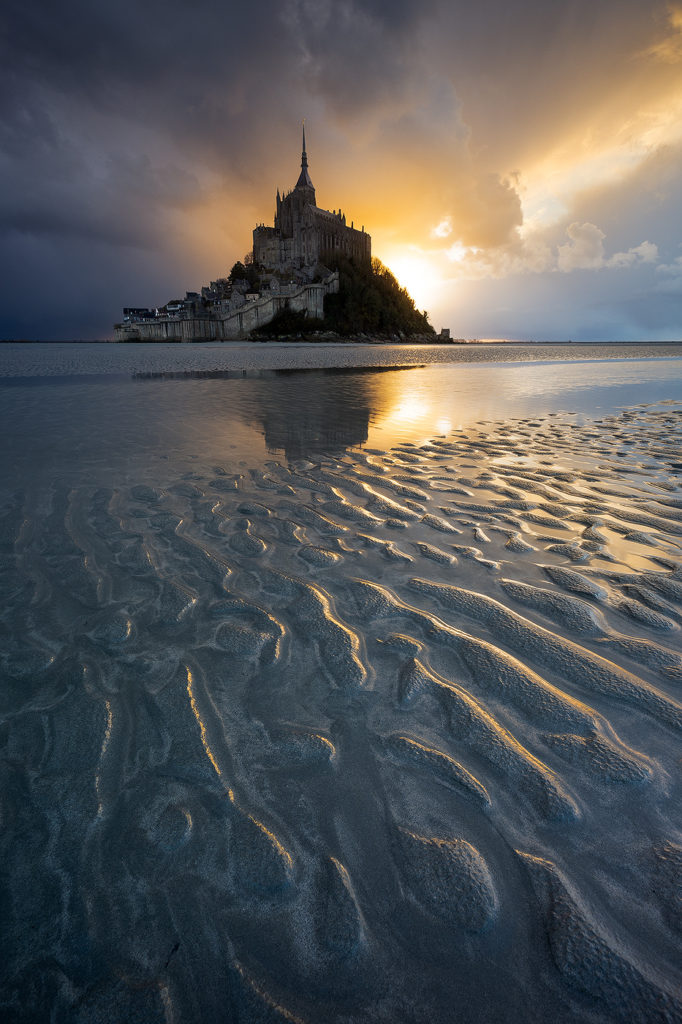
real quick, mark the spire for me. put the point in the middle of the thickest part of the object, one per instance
(304, 178)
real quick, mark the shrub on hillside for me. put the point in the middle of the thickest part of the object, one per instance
(370, 301)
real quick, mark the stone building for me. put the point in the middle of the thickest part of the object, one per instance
(289, 252)
(304, 234)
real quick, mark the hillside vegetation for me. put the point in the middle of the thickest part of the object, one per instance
(370, 301)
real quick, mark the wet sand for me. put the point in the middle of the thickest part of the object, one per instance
(386, 735)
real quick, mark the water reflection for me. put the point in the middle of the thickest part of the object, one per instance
(311, 424)
(325, 411)
(158, 423)
(307, 413)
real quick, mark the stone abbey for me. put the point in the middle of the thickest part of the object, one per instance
(292, 274)
(304, 235)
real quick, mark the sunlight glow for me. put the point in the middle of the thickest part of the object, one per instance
(410, 410)
(443, 229)
(552, 184)
(416, 272)
(458, 252)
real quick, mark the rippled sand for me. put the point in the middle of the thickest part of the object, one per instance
(392, 736)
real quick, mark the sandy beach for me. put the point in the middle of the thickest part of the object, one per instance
(353, 723)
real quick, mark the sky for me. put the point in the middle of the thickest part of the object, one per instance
(518, 163)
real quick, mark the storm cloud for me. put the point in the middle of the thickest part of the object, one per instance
(507, 150)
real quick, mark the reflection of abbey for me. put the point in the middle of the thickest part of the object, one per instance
(303, 233)
(290, 257)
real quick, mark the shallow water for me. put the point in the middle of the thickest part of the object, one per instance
(88, 359)
(340, 696)
(84, 409)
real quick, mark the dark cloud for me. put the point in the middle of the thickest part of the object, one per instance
(529, 72)
(360, 57)
(139, 129)
(53, 187)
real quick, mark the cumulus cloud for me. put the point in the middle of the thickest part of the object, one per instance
(443, 229)
(484, 211)
(521, 257)
(645, 252)
(585, 251)
(673, 269)
(670, 278)
(532, 253)
(494, 213)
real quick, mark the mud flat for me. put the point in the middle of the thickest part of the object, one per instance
(381, 735)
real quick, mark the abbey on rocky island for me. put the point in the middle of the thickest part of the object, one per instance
(304, 234)
(290, 260)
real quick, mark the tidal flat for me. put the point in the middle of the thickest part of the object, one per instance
(340, 684)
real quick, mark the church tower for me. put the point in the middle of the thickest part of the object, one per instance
(304, 186)
(303, 233)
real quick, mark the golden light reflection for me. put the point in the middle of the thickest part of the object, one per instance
(412, 415)
(410, 410)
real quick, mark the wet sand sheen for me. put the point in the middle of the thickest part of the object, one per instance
(393, 735)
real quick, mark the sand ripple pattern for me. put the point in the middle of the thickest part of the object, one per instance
(393, 736)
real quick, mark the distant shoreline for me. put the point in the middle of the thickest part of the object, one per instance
(487, 342)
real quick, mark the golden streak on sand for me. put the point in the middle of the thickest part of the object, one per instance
(212, 758)
(105, 744)
(202, 728)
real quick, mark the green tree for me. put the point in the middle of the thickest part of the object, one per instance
(370, 301)
(238, 272)
(249, 271)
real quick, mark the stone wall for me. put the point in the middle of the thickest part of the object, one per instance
(333, 236)
(304, 235)
(233, 325)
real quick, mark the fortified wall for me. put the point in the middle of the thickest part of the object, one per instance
(234, 324)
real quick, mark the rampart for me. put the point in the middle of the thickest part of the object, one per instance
(235, 324)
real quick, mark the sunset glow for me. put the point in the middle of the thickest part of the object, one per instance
(420, 275)
(503, 175)
(341, 511)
